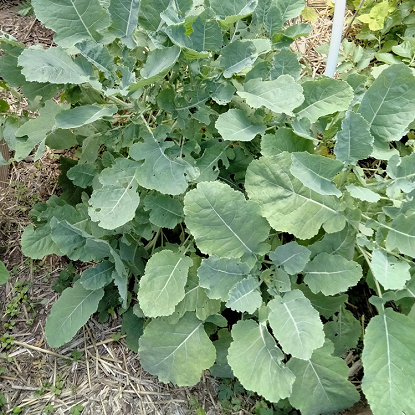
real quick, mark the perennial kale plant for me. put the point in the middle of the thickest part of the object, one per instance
(235, 206)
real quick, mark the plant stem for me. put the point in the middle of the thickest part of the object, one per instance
(366, 256)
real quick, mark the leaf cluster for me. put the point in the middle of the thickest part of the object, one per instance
(230, 207)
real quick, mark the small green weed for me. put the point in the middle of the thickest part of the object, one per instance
(76, 410)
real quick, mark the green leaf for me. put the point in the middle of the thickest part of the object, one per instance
(149, 17)
(331, 274)
(114, 204)
(389, 104)
(296, 324)
(61, 139)
(206, 35)
(86, 114)
(52, 65)
(208, 163)
(176, 353)
(259, 93)
(389, 271)
(402, 171)
(37, 243)
(344, 331)
(165, 211)
(362, 193)
(323, 97)
(223, 222)
(285, 62)
(316, 172)
(275, 14)
(388, 347)
(168, 175)
(321, 385)
(98, 55)
(162, 285)
(245, 296)
(97, 277)
(133, 327)
(219, 275)
(237, 56)
(287, 204)
(256, 361)
(82, 175)
(284, 140)
(235, 125)
(354, 141)
(4, 274)
(36, 129)
(221, 368)
(292, 257)
(124, 18)
(233, 10)
(69, 313)
(158, 64)
(72, 20)
(401, 235)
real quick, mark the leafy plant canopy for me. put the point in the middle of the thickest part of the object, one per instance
(233, 204)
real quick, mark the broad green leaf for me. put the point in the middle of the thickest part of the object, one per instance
(165, 211)
(327, 306)
(158, 64)
(323, 97)
(52, 65)
(97, 277)
(331, 274)
(401, 235)
(72, 20)
(292, 257)
(354, 141)
(256, 361)
(133, 327)
(124, 18)
(4, 274)
(245, 296)
(219, 275)
(281, 95)
(37, 243)
(377, 15)
(9, 68)
(344, 331)
(274, 14)
(98, 55)
(287, 204)
(61, 139)
(296, 324)
(168, 175)
(402, 171)
(206, 35)
(321, 385)
(36, 129)
(232, 10)
(281, 281)
(162, 285)
(70, 312)
(82, 175)
(389, 271)
(389, 379)
(221, 368)
(362, 193)
(223, 222)
(316, 172)
(114, 204)
(176, 353)
(284, 139)
(86, 114)
(149, 17)
(235, 125)
(237, 56)
(285, 62)
(208, 163)
(389, 104)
